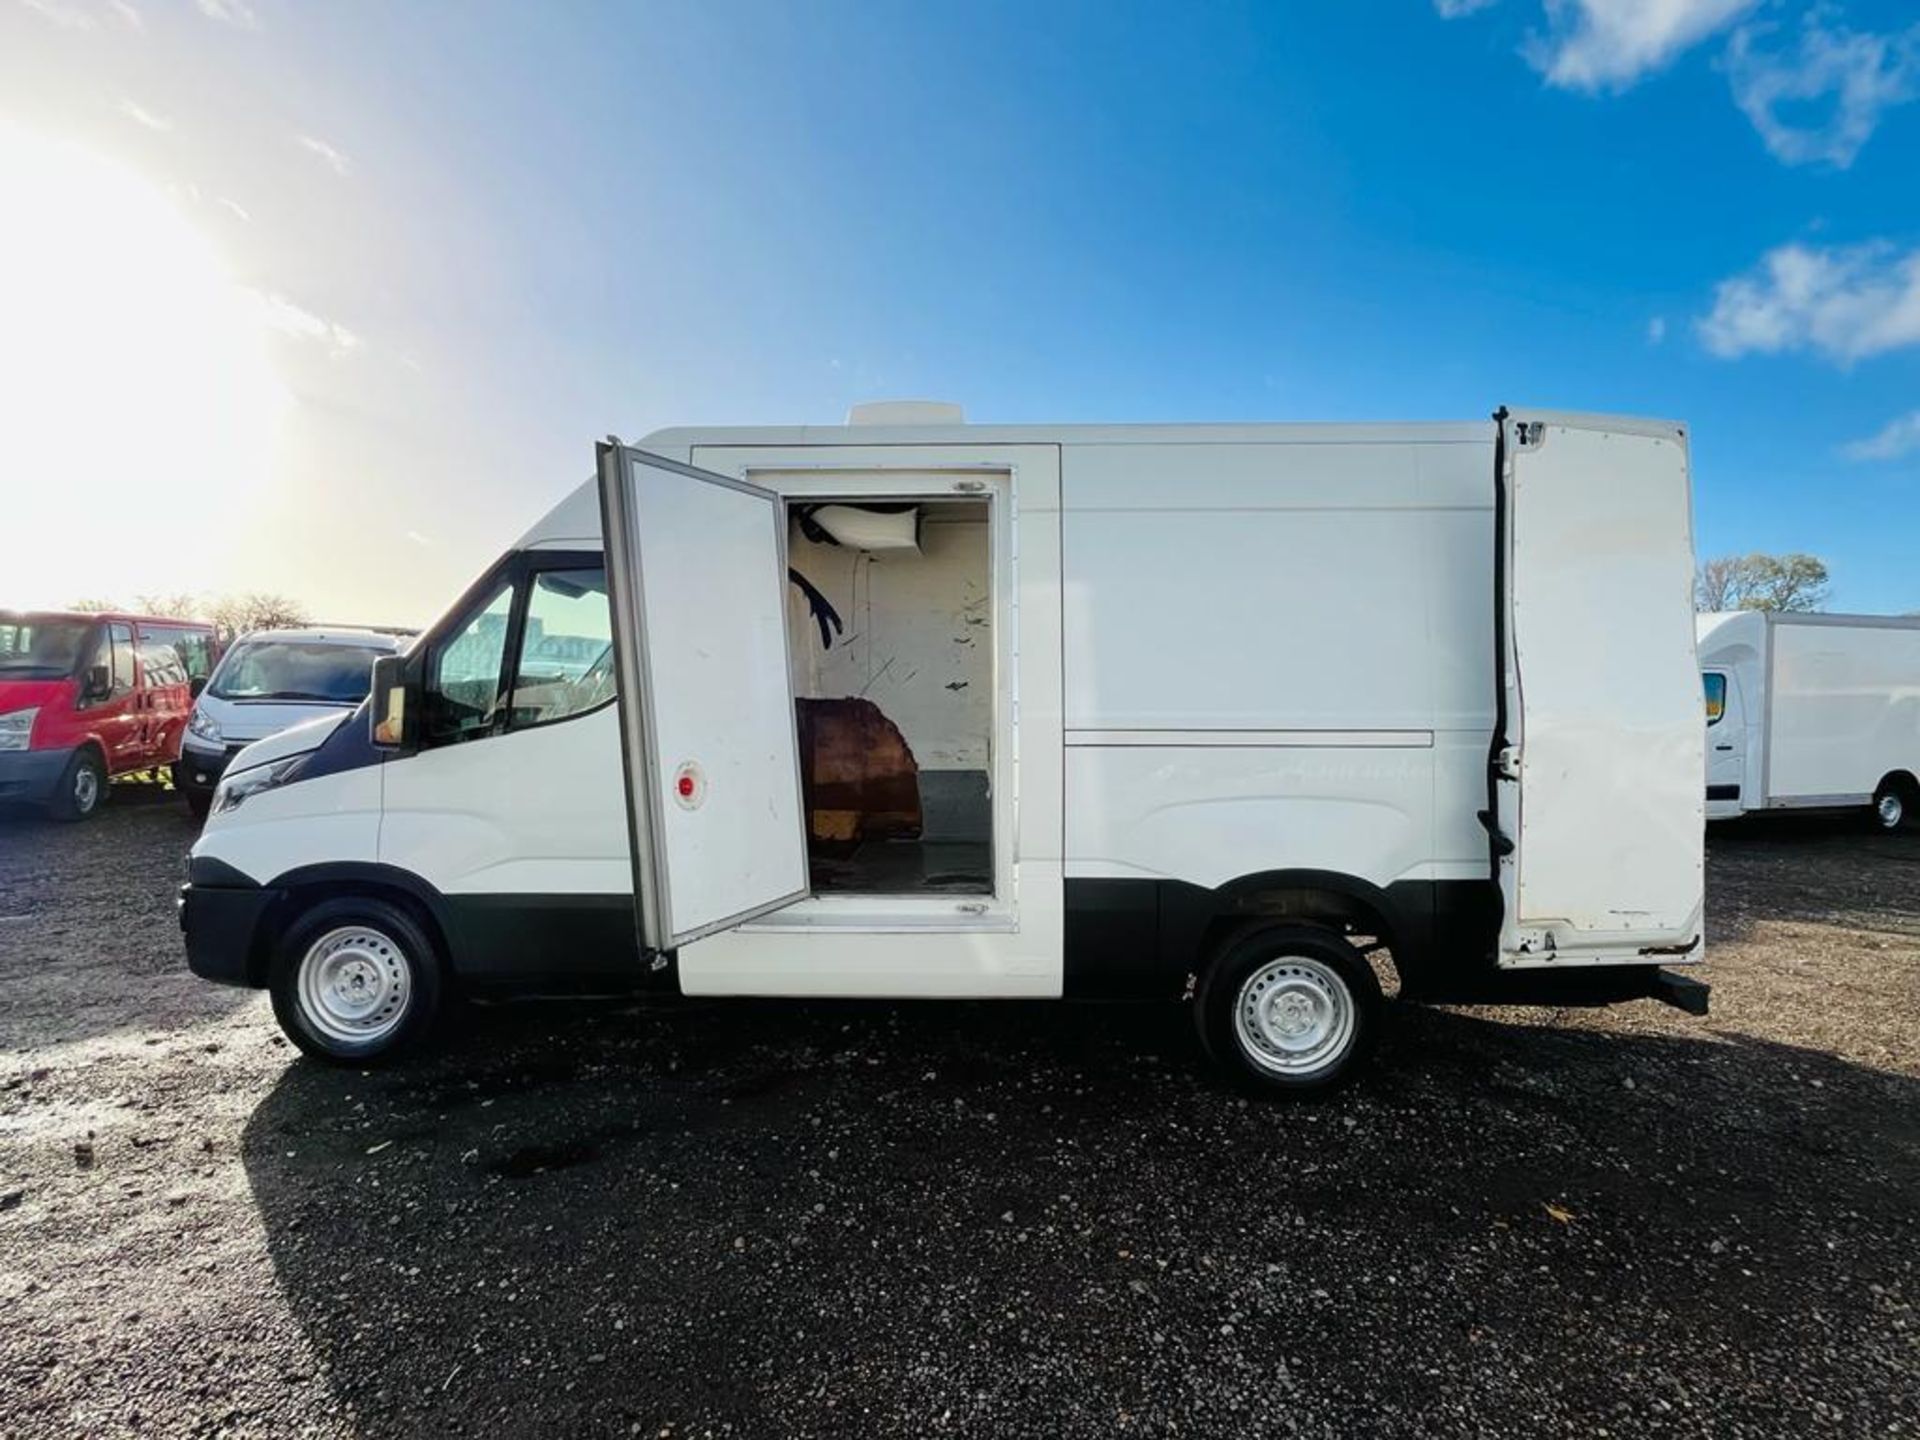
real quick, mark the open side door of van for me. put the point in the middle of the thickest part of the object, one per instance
(696, 564)
(1597, 774)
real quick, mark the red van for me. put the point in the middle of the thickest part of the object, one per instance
(86, 697)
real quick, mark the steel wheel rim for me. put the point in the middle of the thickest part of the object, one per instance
(86, 788)
(1294, 1016)
(1892, 810)
(354, 985)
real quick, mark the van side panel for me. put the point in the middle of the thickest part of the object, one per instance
(1277, 656)
(1843, 710)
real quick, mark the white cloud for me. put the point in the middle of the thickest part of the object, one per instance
(1845, 303)
(335, 161)
(1656, 329)
(1847, 78)
(290, 319)
(140, 115)
(1454, 9)
(1900, 437)
(231, 12)
(233, 207)
(1609, 44)
(57, 12)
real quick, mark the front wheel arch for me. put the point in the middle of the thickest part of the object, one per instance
(301, 890)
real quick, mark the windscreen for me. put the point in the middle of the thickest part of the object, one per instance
(291, 671)
(42, 647)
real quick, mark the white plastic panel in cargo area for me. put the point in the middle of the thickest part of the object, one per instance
(1603, 695)
(1211, 813)
(1278, 586)
(717, 770)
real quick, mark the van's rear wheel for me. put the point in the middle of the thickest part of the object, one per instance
(1894, 806)
(1288, 1009)
(82, 787)
(355, 981)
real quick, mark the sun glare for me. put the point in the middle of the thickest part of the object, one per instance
(138, 407)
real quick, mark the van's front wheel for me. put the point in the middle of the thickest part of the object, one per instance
(355, 981)
(82, 788)
(1288, 1009)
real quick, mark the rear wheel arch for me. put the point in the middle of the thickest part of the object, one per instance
(1903, 785)
(1342, 905)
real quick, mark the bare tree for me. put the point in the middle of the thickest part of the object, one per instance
(93, 606)
(236, 615)
(1795, 581)
(180, 605)
(1714, 585)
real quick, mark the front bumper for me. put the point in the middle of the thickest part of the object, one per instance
(196, 772)
(29, 777)
(222, 924)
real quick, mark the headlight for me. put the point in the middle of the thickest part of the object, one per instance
(203, 724)
(235, 790)
(16, 728)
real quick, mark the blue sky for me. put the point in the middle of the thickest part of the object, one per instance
(480, 235)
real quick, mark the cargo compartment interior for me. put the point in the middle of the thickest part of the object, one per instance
(891, 629)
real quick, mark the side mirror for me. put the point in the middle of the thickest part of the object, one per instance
(99, 683)
(196, 685)
(394, 709)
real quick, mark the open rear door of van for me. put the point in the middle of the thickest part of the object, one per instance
(1597, 775)
(697, 572)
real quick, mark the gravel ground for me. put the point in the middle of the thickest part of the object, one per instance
(760, 1219)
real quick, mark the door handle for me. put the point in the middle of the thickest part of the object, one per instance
(1723, 747)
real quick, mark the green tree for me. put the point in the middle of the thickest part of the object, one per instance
(1795, 582)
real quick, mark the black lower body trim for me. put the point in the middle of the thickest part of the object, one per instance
(554, 944)
(1142, 939)
(222, 925)
(1723, 792)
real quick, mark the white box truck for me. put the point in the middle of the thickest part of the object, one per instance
(1812, 712)
(922, 709)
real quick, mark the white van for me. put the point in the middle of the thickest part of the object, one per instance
(1812, 712)
(267, 681)
(915, 708)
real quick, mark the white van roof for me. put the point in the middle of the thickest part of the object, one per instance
(575, 521)
(329, 635)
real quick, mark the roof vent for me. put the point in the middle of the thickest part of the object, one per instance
(906, 412)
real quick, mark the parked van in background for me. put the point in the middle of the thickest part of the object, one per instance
(84, 697)
(270, 680)
(913, 708)
(1812, 712)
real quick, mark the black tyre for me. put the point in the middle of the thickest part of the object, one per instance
(199, 804)
(1288, 1010)
(82, 789)
(1896, 806)
(356, 981)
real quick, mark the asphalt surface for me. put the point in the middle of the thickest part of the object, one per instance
(807, 1219)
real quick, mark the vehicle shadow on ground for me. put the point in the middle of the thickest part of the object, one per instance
(89, 935)
(906, 1219)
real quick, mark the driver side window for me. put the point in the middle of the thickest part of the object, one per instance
(565, 664)
(464, 673)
